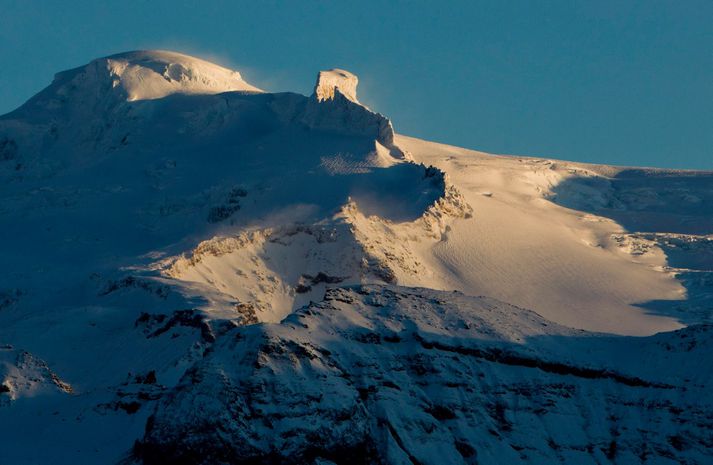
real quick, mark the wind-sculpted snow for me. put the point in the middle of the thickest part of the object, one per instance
(166, 229)
(663, 212)
(401, 376)
(548, 235)
(140, 75)
(333, 81)
(644, 200)
(122, 182)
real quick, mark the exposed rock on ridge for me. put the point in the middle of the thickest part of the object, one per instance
(387, 375)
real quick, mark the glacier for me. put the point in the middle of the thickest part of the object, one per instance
(198, 271)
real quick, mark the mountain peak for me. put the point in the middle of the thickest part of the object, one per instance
(138, 75)
(150, 74)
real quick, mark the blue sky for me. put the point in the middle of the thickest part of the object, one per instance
(621, 82)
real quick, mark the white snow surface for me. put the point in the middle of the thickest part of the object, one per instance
(178, 245)
(147, 75)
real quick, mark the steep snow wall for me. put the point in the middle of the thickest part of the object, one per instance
(336, 80)
(334, 105)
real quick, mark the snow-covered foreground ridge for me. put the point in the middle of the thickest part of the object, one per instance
(196, 271)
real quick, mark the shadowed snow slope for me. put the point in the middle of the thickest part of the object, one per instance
(166, 229)
(403, 376)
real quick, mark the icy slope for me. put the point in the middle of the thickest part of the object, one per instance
(556, 237)
(128, 182)
(152, 205)
(114, 172)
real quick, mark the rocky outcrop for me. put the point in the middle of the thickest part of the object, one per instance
(24, 375)
(273, 269)
(410, 376)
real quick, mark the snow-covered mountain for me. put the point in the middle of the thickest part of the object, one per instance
(196, 271)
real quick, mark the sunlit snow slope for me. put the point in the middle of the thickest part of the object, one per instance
(587, 246)
(197, 269)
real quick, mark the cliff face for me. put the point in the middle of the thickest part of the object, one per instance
(336, 80)
(334, 106)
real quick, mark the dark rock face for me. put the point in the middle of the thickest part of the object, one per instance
(402, 376)
(240, 423)
(8, 149)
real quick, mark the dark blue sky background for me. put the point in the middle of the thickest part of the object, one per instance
(622, 82)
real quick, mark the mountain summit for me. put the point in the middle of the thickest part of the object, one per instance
(196, 271)
(150, 74)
